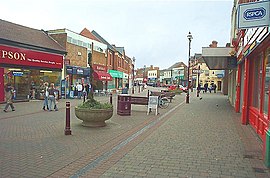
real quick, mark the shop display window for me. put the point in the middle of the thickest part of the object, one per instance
(27, 82)
(267, 82)
(257, 81)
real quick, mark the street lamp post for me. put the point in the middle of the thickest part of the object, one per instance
(133, 73)
(189, 44)
(199, 87)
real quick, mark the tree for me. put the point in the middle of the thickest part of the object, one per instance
(90, 94)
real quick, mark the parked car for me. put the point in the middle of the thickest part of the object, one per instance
(172, 87)
(184, 89)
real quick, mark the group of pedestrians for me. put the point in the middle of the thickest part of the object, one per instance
(213, 87)
(80, 90)
(50, 97)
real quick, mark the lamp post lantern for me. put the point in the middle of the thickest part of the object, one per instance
(133, 73)
(189, 44)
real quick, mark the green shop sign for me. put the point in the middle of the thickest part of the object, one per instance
(116, 74)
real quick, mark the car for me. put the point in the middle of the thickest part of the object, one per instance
(184, 89)
(172, 87)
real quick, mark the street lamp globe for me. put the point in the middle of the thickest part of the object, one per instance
(189, 36)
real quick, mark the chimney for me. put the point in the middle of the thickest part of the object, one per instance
(214, 44)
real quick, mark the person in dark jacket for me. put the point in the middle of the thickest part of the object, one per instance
(9, 97)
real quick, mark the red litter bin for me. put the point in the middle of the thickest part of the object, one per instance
(124, 105)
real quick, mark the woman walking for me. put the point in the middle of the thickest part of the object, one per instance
(52, 97)
(9, 95)
(46, 95)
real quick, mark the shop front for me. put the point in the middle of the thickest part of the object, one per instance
(75, 75)
(125, 80)
(255, 100)
(101, 77)
(117, 79)
(27, 70)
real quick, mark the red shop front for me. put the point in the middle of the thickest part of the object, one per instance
(101, 77)
(254, 76)
(27, 70)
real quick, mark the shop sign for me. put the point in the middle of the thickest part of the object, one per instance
(24, 57)
(79, 71)
(116, 74)
(67, 61)
(17, 73)
(219, 75)
(99, 67)
(253, 15)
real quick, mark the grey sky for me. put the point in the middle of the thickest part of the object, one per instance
(153, 31)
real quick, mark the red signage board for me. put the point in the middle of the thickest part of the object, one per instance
(26, 57)
(99, 67)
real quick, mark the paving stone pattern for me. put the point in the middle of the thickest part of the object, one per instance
(199, 139)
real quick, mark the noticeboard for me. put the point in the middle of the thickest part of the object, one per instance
(152, 104)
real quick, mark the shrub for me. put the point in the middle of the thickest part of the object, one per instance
(93, 104)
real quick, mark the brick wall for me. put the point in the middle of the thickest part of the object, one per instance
(98, 58)
(60, 38)
(77, 55)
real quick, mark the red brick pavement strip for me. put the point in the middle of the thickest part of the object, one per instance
(82, 161)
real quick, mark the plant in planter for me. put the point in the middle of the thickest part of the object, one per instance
(94, 113)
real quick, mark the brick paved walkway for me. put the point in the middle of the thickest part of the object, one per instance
(194, 140)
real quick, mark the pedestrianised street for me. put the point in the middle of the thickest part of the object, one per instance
(204, 138)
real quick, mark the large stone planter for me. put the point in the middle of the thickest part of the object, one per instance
(93, 117)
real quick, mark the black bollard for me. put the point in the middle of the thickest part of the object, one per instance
(67, 129)
(111, 98)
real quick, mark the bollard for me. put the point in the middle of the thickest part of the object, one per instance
(84, 96)
(139, 89)
(67, 129)
(111, 98)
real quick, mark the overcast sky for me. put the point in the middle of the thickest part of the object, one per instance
(153, 31)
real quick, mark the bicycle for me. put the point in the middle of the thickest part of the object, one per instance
(163, 102)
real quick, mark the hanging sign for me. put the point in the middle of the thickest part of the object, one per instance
(253, 15)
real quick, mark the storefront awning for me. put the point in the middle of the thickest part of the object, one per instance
(219, 58)
(100, 75)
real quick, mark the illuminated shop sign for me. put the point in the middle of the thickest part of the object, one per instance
(17, 73)
(253, 14)
(25, 57)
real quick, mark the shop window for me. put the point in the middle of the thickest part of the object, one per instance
(267, 82)
(257, 80)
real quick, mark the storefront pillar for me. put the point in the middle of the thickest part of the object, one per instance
(245, 94)
(2, 93)
(238, 89)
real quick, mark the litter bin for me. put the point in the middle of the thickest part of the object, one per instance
(125, 91)
(124, 105)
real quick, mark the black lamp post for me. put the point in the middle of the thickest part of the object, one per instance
(133, 73)
(189, 44)
(199, 87)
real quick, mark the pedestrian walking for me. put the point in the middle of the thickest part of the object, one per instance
(80, 90)
(215, 88)
(9, 97)
(46, 95)
(52, 97)
(205, 87)
(87, 89)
